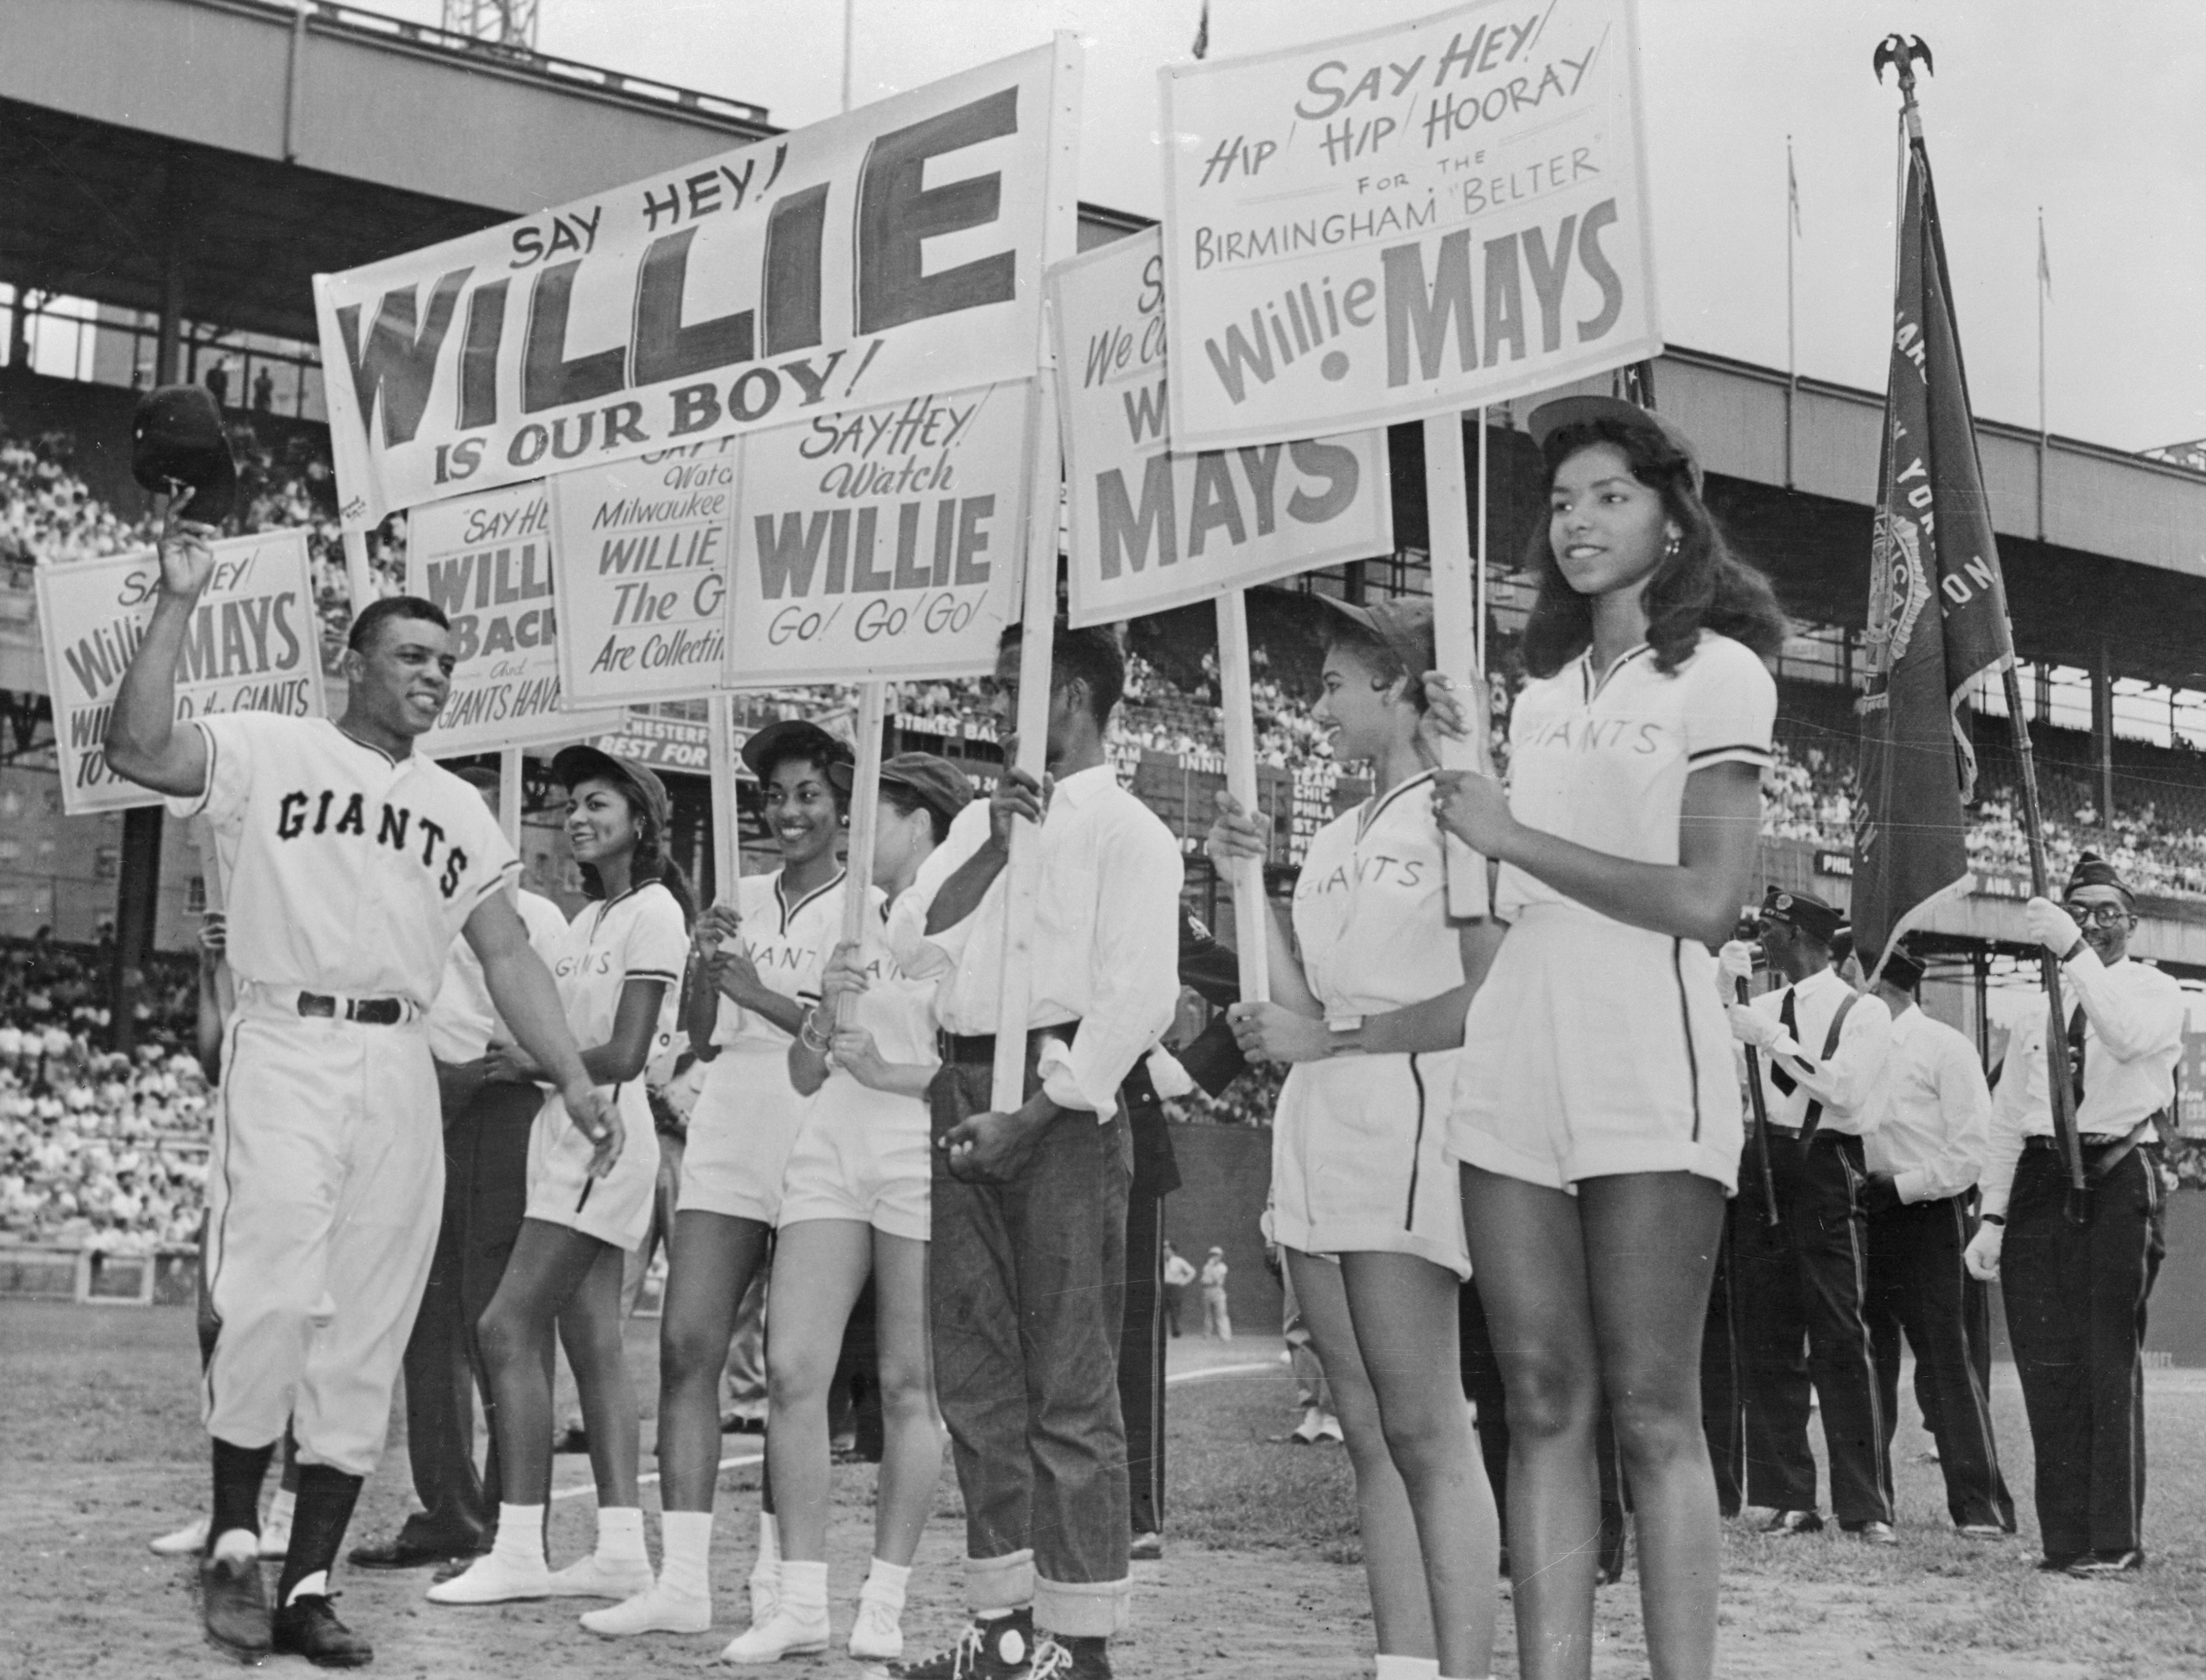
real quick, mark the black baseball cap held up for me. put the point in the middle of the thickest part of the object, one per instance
(176, 443)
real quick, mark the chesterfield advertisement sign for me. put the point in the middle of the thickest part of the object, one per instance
(254, 644)
(846, 265)
(1411, 221)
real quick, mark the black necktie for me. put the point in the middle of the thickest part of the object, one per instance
(2076, 1054)
(1791, 1021)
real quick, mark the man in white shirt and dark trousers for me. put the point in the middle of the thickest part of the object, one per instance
(1925, 1155)
(2078, 1270)
(1028, 1265)
(1823, 1049)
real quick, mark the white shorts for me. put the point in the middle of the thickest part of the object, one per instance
(1593, 1049)
(1359, 1161)
(746, 1119)
(615, 1209)
(860, 1155)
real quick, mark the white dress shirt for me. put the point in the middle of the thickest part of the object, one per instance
(1106, 938)
(2133, 1020)
(1846, 1082)
(463, 1022)
(1933, 1124)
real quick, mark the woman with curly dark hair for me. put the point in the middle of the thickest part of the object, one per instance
(1596, 1115)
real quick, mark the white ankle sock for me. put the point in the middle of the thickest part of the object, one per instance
(317, 1583)
(687, 1538)
(232, 1544)
(521, 1535)
(884, 1582)
(804, 1589)
(1407, 1668)
(620, 1535)
(769, 1539)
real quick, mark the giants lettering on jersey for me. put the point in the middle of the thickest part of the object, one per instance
(299, 815)
(1594, 735)
(1377, 870)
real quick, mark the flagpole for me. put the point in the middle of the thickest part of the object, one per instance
(1897, 52)
(1791, 358)
(2041, 278)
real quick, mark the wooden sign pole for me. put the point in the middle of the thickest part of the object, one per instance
(1251, 927)
(1455, 636)
(864, 823)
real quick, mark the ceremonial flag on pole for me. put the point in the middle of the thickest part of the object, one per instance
(1937, 606)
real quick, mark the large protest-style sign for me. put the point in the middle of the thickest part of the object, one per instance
(486, 561)
(849, 263)
(1417, 219)
(254, 644)
(1153, 527)
(884, 543)
(639, 551)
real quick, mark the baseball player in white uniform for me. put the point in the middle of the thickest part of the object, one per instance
(855, 1203)
(1596, 1113)
(764, 954)
(1368, 990)
(353, 862)
(619, 968)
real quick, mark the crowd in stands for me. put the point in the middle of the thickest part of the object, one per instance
(98, 1150)
(47, 513)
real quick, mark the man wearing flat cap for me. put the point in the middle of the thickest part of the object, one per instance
(2077, 1271)
(1925, 1152)
(1799, 1284)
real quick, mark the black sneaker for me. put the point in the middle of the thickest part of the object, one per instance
(234, 1605)
(307, 1627)
(1055, 1658)
(2105, 1566)
(1000, 1647)
(1795, 1523)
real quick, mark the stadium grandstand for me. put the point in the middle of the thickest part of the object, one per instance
(155, 229)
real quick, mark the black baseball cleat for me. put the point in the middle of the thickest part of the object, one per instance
(234, 1605)
(1055, 1658)
(1000, 1647)
(309, 1627)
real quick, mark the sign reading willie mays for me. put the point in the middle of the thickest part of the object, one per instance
(1417, 219)
(843, 265)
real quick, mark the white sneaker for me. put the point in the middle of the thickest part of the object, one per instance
(878, 1634)
(784, 1636)
(1328, 1429)
(275, 1538)
(766, 1593)
(493, 1580)
(187, 1541)
(657, 1609)
(1305, 1432)
(591, 1578)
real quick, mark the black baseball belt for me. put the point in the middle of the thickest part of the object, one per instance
(968, 1049)
(368, 1011)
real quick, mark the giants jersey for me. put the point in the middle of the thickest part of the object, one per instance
(638, 936)
(788, 943)
(1601, 759)
(1371, 907)
(350, 872)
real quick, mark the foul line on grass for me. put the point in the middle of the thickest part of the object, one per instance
(737, 1462)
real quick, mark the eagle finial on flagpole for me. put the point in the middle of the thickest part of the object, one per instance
(1900, 52)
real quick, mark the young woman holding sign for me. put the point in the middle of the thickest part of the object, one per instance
(1370, 985)
(759, 959)
(619, 969)
(1596, 1114)
(855, 1203)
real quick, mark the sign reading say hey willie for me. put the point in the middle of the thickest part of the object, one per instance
(254, 644)
(884, 543)
(843, 265)
(1418, 219)
(486, 561)
(1153, 528)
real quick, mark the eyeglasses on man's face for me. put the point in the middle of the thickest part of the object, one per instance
(2098, 915)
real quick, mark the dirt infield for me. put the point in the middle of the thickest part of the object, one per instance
(102, 1451)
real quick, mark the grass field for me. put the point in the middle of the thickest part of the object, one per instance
(1261, 1577)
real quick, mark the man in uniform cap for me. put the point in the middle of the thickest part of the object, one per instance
(2077, 1271)
(1799, 1284)
(1924, 1153)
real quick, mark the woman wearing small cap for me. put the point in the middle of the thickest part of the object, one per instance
(855, 1203)
(1368, 989)
(619, 973)
(1596, 1113)
(759, 961)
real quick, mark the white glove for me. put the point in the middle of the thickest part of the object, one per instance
(1735, 959)
(1750, 1026)
(2051, 926)
(1982, 1256)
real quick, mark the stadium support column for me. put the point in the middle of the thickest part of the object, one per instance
(138, 892)
(2103, 738)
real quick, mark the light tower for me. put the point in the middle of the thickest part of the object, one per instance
(501, 23)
